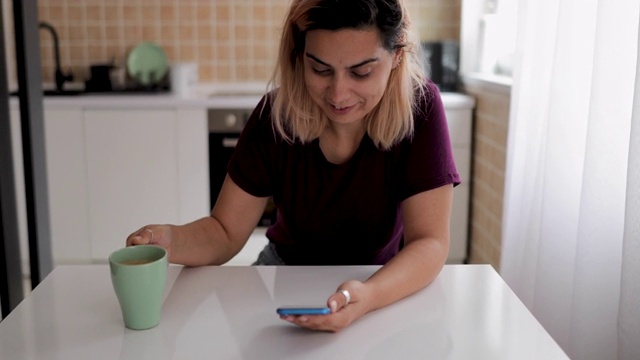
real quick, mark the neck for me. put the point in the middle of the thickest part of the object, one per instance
(339, 143)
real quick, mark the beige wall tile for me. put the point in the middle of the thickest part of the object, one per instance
(75, 14)
(223, 12)
(223, 34)
(94, 13)
(186, 32)
(259, 11)
(188, 53)
(168, 14)
(204, 33)
(233, 29)
(131, 14)
(56, 13)
(168, 34)
(186, 13)
(242, 33)
(489, 159)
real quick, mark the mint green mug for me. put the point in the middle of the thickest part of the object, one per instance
(139, 276)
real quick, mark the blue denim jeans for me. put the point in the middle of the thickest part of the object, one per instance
(269, 256)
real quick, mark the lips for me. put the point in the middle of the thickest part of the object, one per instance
(340, 109)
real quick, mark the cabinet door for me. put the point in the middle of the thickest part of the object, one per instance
(460, 127)
(67, 185)
(66, 182)
(132, 158)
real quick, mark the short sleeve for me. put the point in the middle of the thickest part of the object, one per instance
(429, 161)
(251, 165)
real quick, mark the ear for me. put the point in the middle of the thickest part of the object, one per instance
(397, 57)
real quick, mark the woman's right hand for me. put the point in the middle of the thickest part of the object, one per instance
(160, 235)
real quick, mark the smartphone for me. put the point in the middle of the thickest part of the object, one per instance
(303, 310)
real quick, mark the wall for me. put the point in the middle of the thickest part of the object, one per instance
(231, 40)
(491, 121)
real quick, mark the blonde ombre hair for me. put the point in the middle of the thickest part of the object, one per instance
(296, 116)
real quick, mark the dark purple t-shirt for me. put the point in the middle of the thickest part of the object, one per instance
(347, 214)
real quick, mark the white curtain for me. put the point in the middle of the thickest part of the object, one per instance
(571, 239)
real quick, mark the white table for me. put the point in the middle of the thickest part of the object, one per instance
(228, 312)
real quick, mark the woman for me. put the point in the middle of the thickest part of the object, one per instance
(352, 145)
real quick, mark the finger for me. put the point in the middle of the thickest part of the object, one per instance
(321, 326)
(140, 237)
(313, 322)
(339, 299)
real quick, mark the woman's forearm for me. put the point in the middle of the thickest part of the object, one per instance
(419, 262)
(202, 242)
(416, 266)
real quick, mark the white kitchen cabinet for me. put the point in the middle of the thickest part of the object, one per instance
(111, 171)
(141, 169)
(66, 180)
(67, 185)
(132, 173)
(459, 120)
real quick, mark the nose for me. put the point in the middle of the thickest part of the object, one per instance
(339, 90)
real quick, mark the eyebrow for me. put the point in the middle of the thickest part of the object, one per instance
(364, 62)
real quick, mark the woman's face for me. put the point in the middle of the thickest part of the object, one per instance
(346, 72)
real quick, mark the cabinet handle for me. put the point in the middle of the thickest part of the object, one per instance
(229, 142)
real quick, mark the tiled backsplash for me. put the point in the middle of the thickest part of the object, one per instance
(489, 161)
(231, 40)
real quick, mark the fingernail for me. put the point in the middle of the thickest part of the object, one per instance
(333, 305)
(303, 319)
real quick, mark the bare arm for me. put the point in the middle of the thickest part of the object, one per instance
(426, 233)
(212, 240)
(426, 236)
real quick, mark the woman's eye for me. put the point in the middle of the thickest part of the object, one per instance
(359, 75)
(321, 71)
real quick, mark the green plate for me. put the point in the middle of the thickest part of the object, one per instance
(147, 64)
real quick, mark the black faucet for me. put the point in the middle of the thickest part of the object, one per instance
(60, 77)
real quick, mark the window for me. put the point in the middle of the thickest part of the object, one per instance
(488, 36)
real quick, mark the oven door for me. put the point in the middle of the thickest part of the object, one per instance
(221, 147)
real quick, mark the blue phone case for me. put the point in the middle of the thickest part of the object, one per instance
(303, 310)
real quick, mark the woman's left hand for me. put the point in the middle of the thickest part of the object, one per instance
(347, 304)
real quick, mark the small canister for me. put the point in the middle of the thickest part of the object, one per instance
(183, 77)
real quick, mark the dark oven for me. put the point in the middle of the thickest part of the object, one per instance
(225, 126)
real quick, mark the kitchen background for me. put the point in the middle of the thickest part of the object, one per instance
(230, 40)
(236, 41)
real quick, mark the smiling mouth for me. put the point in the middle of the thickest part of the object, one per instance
(339, 108)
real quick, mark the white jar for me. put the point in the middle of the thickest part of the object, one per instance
(183, 77)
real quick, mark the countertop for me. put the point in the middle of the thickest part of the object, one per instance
(229, 312)
(156, 101)
(233, 96)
